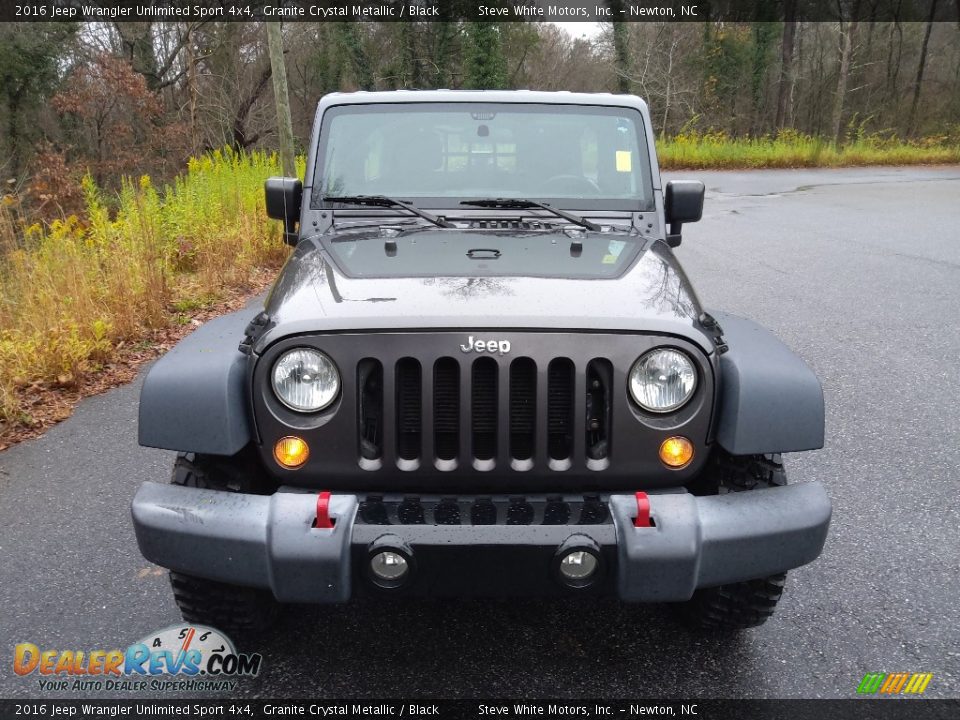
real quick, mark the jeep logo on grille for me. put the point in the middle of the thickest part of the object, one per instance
(489, 346)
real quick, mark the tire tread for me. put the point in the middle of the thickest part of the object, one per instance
(742, 605)
(231, 608)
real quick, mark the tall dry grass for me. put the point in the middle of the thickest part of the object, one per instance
(789, 149)
(72, 290)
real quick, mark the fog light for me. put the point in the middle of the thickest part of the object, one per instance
(291, 452)
(578, 566)
(676, 452)
(389, 567)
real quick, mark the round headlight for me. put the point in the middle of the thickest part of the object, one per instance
(305, 380)
(662, 380)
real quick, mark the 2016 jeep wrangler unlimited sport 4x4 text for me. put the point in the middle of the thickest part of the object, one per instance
(482, 371)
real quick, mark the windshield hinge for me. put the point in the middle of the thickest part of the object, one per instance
(255, 328)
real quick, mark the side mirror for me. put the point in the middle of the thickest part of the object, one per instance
(283, 196)
(683, 203)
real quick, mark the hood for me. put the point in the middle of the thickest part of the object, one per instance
(470, 280)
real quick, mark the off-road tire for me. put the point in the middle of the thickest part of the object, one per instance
(747, 472)
(236, 610)
(741, 605)
(736, 606)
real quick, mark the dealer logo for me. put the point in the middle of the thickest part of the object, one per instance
(184, 652)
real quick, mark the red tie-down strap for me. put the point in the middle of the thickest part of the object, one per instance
(643, 511)
(324, 520)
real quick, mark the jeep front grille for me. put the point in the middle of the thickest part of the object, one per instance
(484, 413)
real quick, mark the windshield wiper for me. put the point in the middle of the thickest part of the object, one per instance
(518, 204)
(382, 201)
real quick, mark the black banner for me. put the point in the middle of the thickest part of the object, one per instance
(859, 709)
(478, 10)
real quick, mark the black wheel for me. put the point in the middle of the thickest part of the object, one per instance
(741, 605)
(236, 610)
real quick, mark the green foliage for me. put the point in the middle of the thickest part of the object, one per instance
(327, 60)
(351, 42)
(485, 65)
(727, 55)
(764, 34)
(79, 286)
(28, 75)
(790, 149)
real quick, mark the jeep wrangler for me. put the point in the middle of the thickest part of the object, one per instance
(482, 371)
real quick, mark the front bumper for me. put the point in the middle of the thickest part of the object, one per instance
(270, 542)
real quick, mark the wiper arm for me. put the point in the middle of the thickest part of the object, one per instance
(382, 201)
(519, 204)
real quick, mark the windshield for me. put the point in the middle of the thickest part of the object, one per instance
(440, 153)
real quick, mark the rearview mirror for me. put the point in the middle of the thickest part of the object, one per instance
(283, 197)
(683, 203)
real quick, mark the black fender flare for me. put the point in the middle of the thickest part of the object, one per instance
(769, 400)
(195, 398)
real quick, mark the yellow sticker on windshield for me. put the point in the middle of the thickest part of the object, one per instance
(624, 161)
(609, 260)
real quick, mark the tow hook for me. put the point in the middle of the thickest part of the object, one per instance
(323, 521)
(643, 511)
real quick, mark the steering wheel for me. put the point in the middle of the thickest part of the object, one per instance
(572, 184)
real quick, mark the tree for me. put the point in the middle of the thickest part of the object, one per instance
(912, 124)
(763, 33)
(154, 50)
(111, 119)
(412, 72)
(352, 44)
(281, 98)
(726, 62)
(621, 47)
(785, 83)
(29, 74)
(236, 73)
(847, 32)
(485, 66)
(443, 34)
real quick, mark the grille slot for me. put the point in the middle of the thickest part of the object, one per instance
(483, 512)
(484, 408)
(372, 511)
(599, 382)
(557, 512)
(370, 408)
(520, 512)
(523, 408)
(447, 512)
(410, 512)
(446, 408)
(560, 389)
(593, 511)
(409, 409)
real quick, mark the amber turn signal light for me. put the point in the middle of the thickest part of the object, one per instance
(676, 452)
(291, 452)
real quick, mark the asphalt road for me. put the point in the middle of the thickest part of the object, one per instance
(857, 270)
